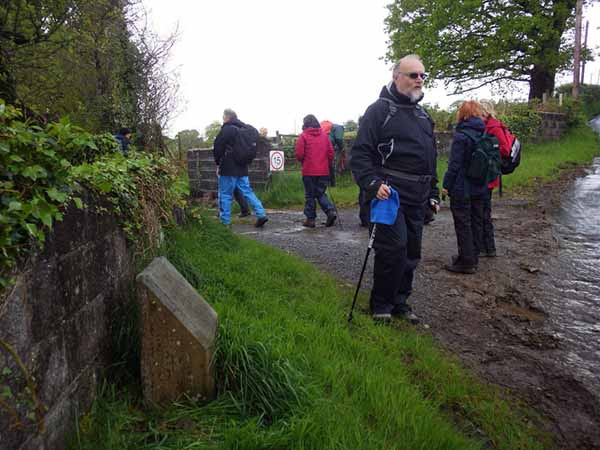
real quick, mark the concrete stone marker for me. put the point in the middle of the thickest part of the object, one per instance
(178, 330)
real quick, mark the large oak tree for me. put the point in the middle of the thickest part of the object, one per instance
(472, 43)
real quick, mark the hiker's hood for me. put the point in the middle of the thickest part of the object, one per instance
(474, 123)
(313, 131)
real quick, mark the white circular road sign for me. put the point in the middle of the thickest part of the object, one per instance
(276, 160)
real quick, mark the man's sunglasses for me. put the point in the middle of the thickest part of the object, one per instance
(415, 75)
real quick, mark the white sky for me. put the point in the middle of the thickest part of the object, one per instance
(273, 61)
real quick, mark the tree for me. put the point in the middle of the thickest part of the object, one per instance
(25, 26)
(473, 43)
(189, 139)
(210, 133)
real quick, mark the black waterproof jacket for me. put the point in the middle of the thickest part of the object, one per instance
(406, 144)
(223, 150)
(455, 180)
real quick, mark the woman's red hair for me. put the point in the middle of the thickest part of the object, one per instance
(468, 109)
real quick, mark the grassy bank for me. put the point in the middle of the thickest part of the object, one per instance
(294, 375)
(542, 162)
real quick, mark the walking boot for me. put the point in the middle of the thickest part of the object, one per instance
(309, 223)
(261, 221)
(330, 219)
(382, 318)
(459, 268)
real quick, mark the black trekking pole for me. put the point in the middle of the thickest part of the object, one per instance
(362, 272)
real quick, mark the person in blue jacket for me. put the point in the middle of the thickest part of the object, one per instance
(124, 138)
(466, 197)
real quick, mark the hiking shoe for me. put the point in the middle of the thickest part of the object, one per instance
(382, 318)
(407, 314)
(488, 254)
(330, 219)
(261, 221)
(459, 268)
(309, 223)
(244, 214)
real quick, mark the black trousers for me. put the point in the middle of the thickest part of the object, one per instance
(468, 225)
(488, 243)
(397, 254)
(314, 189)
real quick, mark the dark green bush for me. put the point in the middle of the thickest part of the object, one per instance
(42, 169)
(522, 119)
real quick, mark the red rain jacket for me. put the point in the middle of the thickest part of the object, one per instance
(314, 151)
(495, 127)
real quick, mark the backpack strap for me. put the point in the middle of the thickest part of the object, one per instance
(392, 109)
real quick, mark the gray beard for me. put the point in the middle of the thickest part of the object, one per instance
(415, 96)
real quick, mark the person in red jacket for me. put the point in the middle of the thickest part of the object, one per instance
(315, 152)
(497, 128)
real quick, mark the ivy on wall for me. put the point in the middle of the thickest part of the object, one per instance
(43, 169)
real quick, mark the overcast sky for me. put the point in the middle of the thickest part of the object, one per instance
(273, 61)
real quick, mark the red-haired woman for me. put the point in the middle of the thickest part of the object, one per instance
(466, 198)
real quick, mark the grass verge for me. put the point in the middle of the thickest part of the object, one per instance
(542, 162)
(293, 374)
(286, 190)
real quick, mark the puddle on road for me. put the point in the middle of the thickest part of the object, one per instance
(573, 299)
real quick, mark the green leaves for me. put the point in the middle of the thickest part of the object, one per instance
(40, 167)
(34, 172)
(475, 42)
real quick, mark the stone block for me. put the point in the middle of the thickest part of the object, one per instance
(178, 331)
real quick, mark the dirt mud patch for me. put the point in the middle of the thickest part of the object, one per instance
(499, 321)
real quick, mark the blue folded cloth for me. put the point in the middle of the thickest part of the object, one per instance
(385, 211)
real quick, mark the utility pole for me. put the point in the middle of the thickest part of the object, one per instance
(577, 52)
(587, 25)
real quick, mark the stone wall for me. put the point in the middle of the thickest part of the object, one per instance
(202, 170)
(58, 316)
(553, 126)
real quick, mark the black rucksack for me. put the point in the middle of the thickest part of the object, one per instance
(244, 147)
(484, 163)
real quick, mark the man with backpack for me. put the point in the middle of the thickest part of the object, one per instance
(234, 149)
(395, 147)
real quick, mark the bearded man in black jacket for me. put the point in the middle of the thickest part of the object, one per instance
(395, 146)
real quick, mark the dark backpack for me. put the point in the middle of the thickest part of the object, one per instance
(244, 147)
(511, 162)
(484, 164)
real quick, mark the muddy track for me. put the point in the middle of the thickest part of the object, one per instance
(498, 321)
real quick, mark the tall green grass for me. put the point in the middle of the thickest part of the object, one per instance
(287, 190)
(292, 374)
